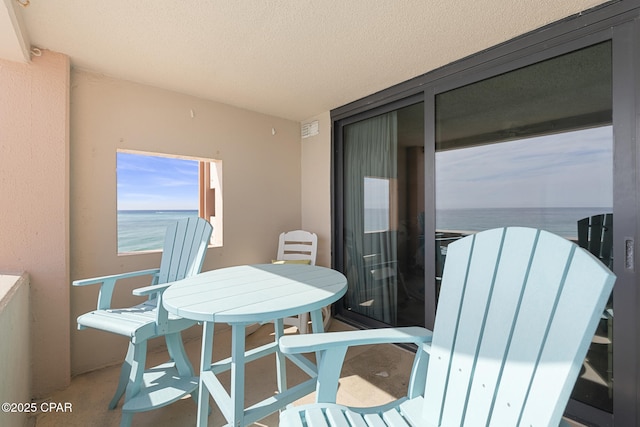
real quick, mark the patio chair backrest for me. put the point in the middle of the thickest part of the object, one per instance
(595, 234)
(515, 317)
(185, 245)
(298, 245)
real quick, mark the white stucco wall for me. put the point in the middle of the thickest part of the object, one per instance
(316, 186)
(34, 203)
(260, 155)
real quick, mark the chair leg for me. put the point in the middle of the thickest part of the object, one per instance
(126, 419)
(137, 369)
(136, 358)
(124, 377)
(175, 347)
(177, 353)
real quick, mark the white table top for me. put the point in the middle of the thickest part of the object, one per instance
(254, 293)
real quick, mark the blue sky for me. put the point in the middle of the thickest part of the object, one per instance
(572, 169)
(147, 182)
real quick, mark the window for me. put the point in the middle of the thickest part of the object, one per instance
(376, 204)
(155, 189)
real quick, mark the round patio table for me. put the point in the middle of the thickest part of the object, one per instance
(244, 295)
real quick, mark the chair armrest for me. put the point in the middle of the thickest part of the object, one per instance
(331, 348)
(306, 343)
(95, 280)
(108, 284)
(150, 290)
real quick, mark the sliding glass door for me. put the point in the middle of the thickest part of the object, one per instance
(534, 147)
(540, 132)
(384, 216)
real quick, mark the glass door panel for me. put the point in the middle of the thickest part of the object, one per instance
(534, 147)
(383, 208)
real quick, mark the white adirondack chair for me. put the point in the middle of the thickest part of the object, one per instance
(297, 245)
(184, 250)
(516, 314)
(301, 246)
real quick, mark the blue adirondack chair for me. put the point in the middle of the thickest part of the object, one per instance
(517, 311)
(185, 246)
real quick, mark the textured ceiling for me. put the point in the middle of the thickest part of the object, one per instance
(289, 58)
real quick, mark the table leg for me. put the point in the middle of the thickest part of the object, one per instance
(316, 321)
(281, 373)
(237, 373)
(205, 365)
(317, 327)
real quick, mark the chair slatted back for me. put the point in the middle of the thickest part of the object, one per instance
(298, 245)
(595, 234)
(517, 310)
(185, 246)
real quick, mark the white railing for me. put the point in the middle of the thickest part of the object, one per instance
(15, 351)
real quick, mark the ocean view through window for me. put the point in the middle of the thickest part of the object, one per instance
(535, 147)
(154, 190)
(143, 230)
(546, 182)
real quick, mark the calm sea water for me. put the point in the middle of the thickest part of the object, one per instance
(561, 221)
(145, 230)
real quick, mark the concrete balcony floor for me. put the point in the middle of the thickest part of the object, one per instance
(368, 378)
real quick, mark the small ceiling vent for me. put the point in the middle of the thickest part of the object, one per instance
(309, 129)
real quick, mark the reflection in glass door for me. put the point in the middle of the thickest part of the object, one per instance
(534, 147)
(384, 216)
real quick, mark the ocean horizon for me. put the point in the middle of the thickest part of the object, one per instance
(561, 221)
(144, 230)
